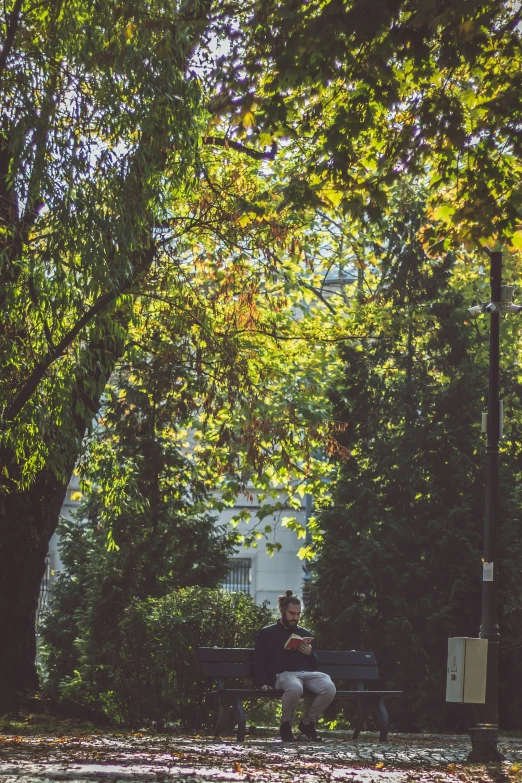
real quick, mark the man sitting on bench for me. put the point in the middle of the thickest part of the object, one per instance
(291, 670)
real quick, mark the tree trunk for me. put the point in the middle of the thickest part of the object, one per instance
(28, 519)
(27, 522)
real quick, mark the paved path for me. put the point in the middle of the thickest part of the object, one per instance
(139, 757)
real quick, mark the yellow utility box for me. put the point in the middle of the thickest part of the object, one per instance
(466, 676)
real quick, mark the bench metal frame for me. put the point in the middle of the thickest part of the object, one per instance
(356, 667)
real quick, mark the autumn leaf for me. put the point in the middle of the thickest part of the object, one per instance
(130, 30)
(249, 120)
(515, 243)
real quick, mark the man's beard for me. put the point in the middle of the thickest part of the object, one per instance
(289, 623)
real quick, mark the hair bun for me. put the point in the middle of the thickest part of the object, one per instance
(287, 598)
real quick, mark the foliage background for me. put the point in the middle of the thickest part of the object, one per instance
(158, 188)
(142, 531)
(151, 673)
(399, 569)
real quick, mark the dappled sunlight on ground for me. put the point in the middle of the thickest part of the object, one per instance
(138, 756)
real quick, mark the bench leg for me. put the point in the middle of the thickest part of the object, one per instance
(240, 716)
(384, 721)
(225, 710)
(362, 711)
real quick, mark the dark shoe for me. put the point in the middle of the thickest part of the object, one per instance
(285, 732)
(308, 729)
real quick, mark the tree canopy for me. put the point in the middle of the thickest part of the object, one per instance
(179, 176)
(430, 89)
(399, 547)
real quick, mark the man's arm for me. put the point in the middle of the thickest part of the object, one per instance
(260, 652)
(308, 649)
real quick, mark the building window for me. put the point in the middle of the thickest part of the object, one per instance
(239, 577)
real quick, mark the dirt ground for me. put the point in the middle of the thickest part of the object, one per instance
(138, 756)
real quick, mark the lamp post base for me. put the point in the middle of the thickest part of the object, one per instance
(484, 741)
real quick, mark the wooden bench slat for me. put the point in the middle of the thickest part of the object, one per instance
(238, 662)
(350, 672)
(346, 658)
(257, 693)
(242, 670)
(224, 669)
(226, 654)
(246, 655)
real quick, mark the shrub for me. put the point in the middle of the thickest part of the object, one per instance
(157, 673)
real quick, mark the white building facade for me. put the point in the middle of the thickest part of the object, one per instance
(253, 570)
(270, 574)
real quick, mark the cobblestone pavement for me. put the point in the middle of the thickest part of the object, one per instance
(406, 758)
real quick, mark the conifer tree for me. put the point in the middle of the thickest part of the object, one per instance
(399, 566)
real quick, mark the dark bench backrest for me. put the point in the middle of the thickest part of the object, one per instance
(239, 662)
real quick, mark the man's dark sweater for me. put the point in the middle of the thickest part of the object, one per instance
(271, 658)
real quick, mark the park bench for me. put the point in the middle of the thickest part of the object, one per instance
(351, 666)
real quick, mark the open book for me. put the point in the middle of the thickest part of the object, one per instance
(293, 641)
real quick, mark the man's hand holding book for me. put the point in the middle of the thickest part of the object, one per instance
(303, 645)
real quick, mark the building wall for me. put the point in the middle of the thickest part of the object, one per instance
(270, 576)
(68, 508)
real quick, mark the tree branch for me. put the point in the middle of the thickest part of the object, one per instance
(314, 340)
(194, 9)
(11, 32)
(31, 384)
(319, 294)
(34, 297)
(219, 141)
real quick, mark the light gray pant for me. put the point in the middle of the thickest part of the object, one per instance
(292, 683)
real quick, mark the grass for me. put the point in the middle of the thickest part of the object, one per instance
(30, 724)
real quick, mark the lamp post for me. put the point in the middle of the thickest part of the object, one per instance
(484, 732)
